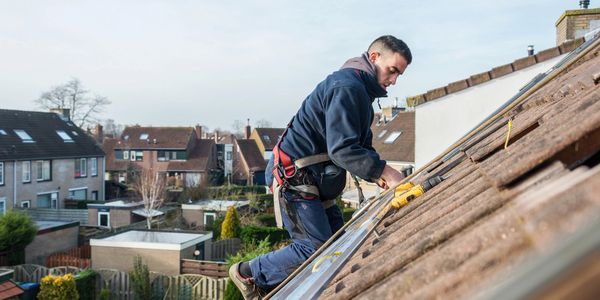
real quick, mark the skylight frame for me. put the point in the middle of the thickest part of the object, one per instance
(392, 137)
(24, 136)
(65, 136)
(144, 136)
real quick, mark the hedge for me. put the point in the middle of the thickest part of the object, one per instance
(266, 220)
(85, 281)
(258, 233)
(227, 191)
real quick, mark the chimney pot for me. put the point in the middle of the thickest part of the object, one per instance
(530, 50)
(584, 4)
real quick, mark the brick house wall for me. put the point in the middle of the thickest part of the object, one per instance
(574, 24)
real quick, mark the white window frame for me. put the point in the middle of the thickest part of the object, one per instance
(26, 204)
(3, 205)
(65, 136)
(132, 155)
(53, 198)
(392, 137)
(1, 173)
(79, 189)
(125, 154)
(24, 136)
(82, 167)
(213, 214)
(26, 171)
(38, 171)
(94, 166)
(107, 219)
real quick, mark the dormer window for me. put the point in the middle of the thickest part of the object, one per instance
(66, 137)
(392, 137)
(25, 137)
(143, 136)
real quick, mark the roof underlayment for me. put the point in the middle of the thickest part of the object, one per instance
(501, 209)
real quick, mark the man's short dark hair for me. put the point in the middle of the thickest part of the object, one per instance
(393, 44)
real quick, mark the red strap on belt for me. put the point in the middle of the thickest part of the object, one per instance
(283, 166)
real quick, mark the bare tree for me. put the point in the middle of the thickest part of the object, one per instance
(238, 128)
(262, 123)
(83, 106)
(150, 185)
(112, 128)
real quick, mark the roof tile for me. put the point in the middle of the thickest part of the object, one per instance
(479, 78)
(524, 62)
(457, 86)
(501, 70)
(547, 54)
(436, 93)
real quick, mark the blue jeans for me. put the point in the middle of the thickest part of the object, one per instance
(309, 225)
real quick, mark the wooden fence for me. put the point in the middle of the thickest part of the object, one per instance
(67, 215)
(202, 267)
(180, 287)
(224, 248)
(78, 257)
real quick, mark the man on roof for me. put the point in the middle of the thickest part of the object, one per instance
(330, 133)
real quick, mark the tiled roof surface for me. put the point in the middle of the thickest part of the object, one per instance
(42, 127)
(402, 148)
(198, 159)
(9, 289)
(273, 135)
(494, 73)
(499, 208)
(166, 137)
(251, 154)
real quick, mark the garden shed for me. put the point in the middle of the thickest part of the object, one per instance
(204, 212)
(162, 251)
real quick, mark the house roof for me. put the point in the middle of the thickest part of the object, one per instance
(500, 208)
(269, 136)
(137, 137)
(198, 158)
(108, 145)
(253, 159)
(43, 128)
(494, 73)
(390, 145)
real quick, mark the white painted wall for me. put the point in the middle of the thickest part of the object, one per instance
(442, 122)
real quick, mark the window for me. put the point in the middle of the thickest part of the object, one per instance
(171, 155)
(136, 156)
(26, 138)
(266, 138)
(2, 206)
(94, 166)
(75, 133)
(26, 171)
(2, 132)
(66, 138)
(81, 167)
(392, 137)
(47, 200)
(209, 218)
(125, 155)
(104, 219)
(1, 173)
(44, 170)
(26, 204)
(382, 133)
(228, 155)
(95, 195)
(78, 194)
(143, 136)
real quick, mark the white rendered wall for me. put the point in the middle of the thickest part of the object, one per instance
(442, 122)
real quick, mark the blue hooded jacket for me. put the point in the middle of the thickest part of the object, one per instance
(336, 119)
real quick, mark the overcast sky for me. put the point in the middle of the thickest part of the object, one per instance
(179, 63)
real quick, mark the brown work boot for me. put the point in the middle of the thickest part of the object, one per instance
(246, 285)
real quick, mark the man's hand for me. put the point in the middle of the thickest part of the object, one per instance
(389, 178)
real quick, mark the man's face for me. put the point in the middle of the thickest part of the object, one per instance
(389, 65)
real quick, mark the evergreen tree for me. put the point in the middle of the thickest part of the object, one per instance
(231, 225)
(17, 230)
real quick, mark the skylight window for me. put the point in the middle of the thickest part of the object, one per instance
(26, 138)
(392, 137)
(143, 136)
(382, 133)
(266, 138)
(66, 138)
(75, 133)
(2, 132)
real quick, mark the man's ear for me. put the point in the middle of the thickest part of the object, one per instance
(373, 56)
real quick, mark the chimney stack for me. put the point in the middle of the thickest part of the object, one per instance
(530, 50)
(198, 131)
(64, 113)
(574, 24)
(216, 136)
(99, 133)
(248, 130)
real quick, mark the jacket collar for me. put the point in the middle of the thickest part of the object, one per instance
(366, 71)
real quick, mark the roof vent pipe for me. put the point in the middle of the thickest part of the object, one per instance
(530, 50)
(583, 4)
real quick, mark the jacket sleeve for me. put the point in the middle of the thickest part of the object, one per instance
(345, 120)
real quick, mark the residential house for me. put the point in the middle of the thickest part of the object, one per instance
(224, 146)
(178, 152)
(515, 218)
(248, 164)
(266, 139)
(44, 159)
(394, 141)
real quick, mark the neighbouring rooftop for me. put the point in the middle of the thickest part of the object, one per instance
(152, 240)
(215, 205)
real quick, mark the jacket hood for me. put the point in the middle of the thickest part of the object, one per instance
(367, 74)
